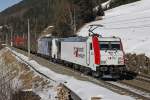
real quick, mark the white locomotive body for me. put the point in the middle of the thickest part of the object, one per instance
(74, 51)
(100, 54)
(44, 46)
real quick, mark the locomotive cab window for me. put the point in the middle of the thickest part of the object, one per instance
(110, 45)
(91, 46)
(104, 45)
(115, 46)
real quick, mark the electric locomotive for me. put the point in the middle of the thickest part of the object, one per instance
(101, 56)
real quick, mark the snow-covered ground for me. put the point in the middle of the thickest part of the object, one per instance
(84, 89)
(130, 22)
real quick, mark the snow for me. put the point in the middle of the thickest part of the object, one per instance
(47, 94)
(106, 4)
(130, 22)
(84, 89)
(16, 84)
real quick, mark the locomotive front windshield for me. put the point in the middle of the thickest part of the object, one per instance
(111, 45)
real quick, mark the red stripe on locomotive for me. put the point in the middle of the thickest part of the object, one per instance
(96, 48)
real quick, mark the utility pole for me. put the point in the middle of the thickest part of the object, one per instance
(6, 39)
(74, 20)
(11, 43)
(28, 39)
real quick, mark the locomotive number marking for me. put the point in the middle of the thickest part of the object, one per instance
(78, 52)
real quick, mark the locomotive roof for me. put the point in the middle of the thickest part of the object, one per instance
(45, 38)
(84, 39)
(79, 39)
(109, 39)
(75, 39)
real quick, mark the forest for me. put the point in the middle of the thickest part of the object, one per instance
(67, 16)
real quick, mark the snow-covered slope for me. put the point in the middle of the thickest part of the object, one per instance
(131, 22)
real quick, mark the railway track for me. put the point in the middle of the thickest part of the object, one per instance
(120, 88)
(117, 87)
(143, 78)
(140, 77)
(140, 82)
(136, 87)
(140, 85)
(130, 90)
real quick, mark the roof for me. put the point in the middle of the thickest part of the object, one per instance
(109, 39)
(75, 39)
(84, 39)
(45, 39)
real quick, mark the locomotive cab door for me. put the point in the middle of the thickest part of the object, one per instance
(90, 56)
(50, 48)
(59, 49)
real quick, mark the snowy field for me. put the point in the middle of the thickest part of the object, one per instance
(84, 89)
(130, 22)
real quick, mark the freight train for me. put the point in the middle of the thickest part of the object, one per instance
(100, 56)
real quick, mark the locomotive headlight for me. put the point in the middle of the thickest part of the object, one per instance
(120, 60)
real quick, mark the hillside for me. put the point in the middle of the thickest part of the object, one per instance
(67, 16)
(44, 13)
(131, 22)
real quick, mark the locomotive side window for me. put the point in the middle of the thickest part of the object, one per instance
(104, 46)
(91, 46)
(115, 46)
(110, 45)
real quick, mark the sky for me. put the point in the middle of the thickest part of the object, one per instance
(7, 3)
